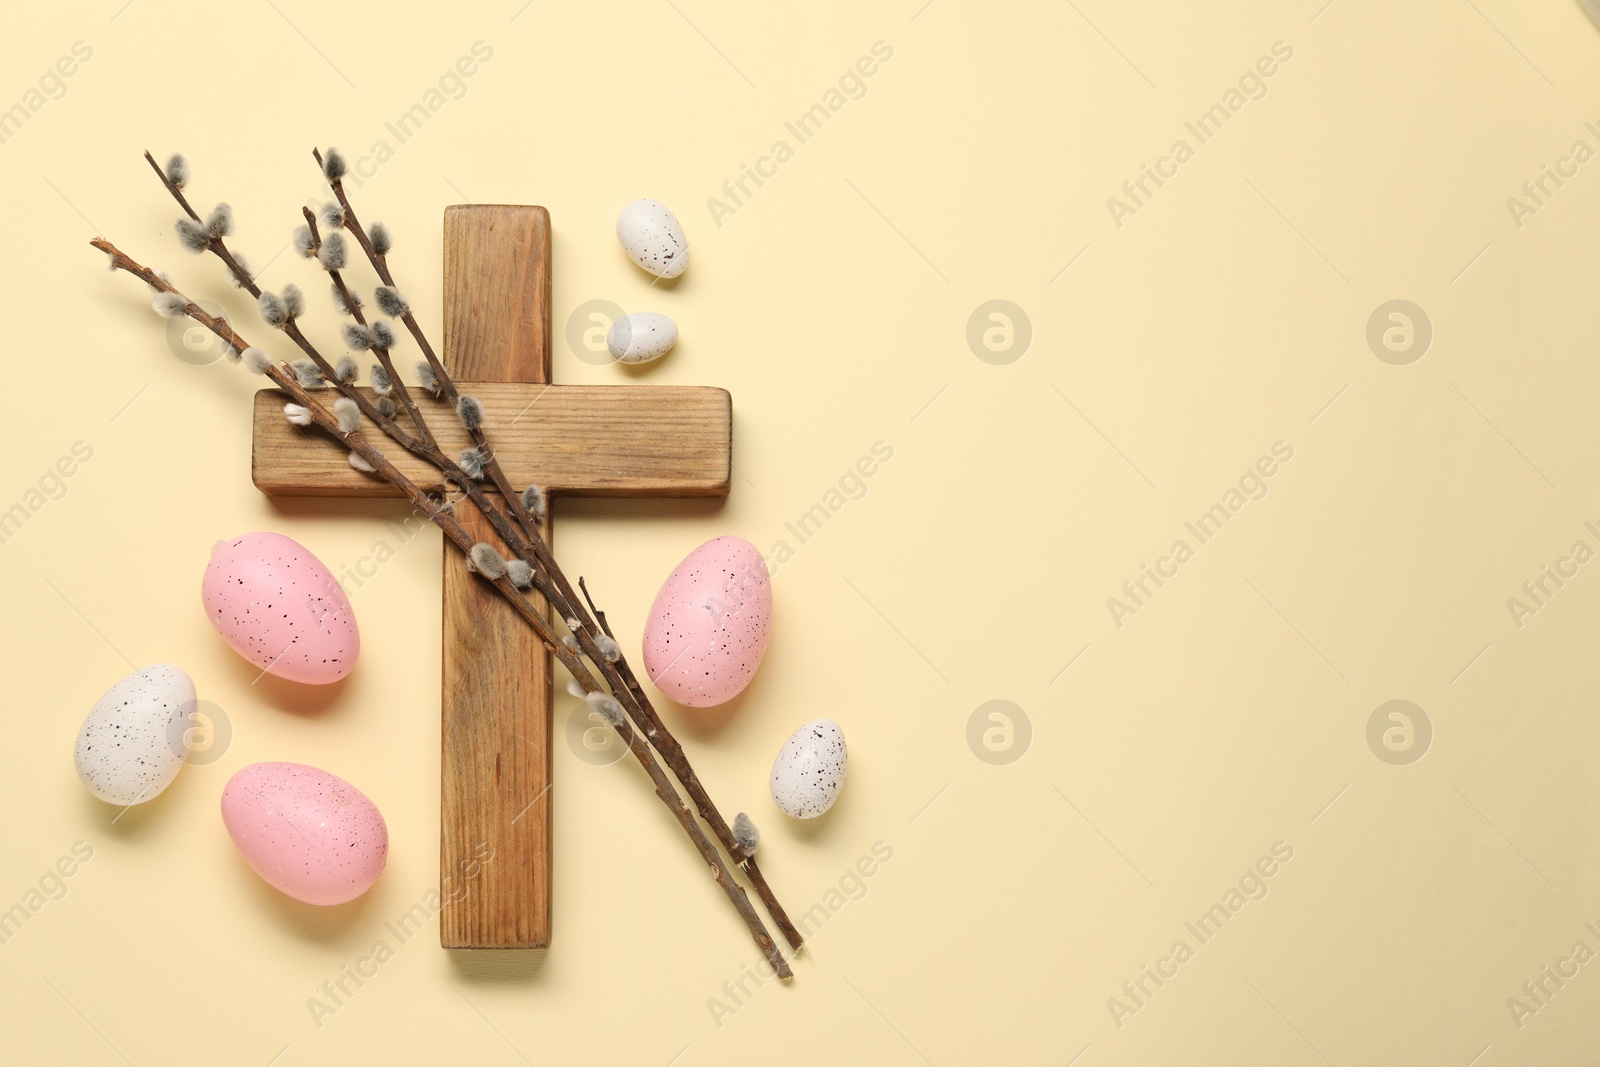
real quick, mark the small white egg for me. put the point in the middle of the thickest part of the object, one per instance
(136, 738)
(652, 238)
(642, 337)
(809, 770)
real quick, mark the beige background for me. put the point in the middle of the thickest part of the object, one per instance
(1229, 713)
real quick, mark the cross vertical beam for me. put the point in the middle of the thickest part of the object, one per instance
(495, 798)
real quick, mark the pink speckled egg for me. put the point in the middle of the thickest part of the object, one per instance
(309, 833)
(707, 630)
(280, 608)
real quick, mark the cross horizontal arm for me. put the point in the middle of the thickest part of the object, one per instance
(583, 440)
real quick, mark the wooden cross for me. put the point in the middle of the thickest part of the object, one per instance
(613, 440)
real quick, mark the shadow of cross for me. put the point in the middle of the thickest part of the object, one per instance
(569, 439)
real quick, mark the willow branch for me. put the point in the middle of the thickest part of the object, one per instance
(291, 328)
(177, 193)
(380, 265)
(421, 444)
(353, 306)
(621, 674)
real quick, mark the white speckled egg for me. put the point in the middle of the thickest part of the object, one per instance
(280, 608)
(809, 770)
(135, 740)
(642, 337)
(652, 238)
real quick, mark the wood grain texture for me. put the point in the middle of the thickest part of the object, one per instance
(495, 795)
(497, 293)
(494, 784)
(585, 440)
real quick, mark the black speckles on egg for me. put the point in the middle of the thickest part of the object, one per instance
(275, 603)
(132, 744)
(810, 769)
(708, 628)
(653, 239)
(307, 832)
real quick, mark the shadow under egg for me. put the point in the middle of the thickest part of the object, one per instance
(297, 698)
(339, 926)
